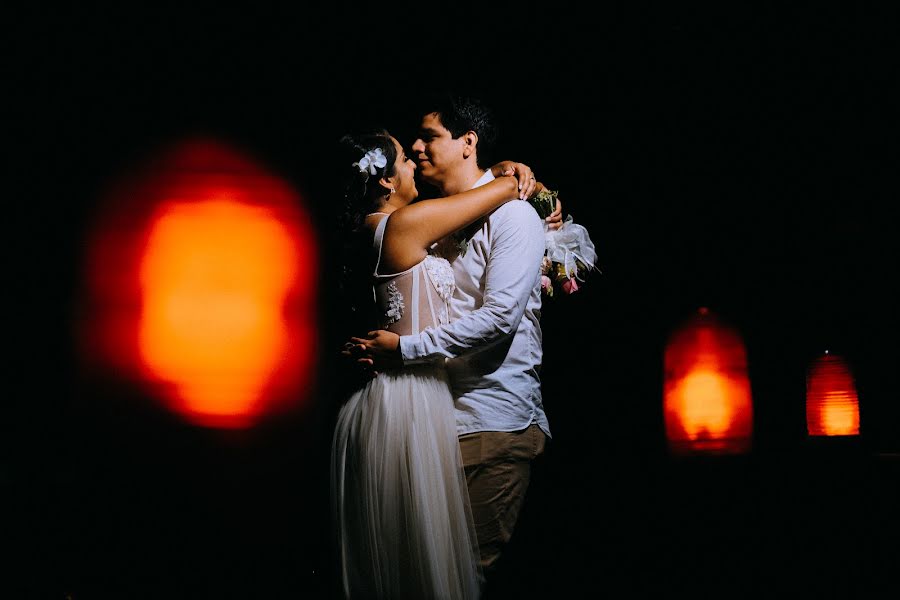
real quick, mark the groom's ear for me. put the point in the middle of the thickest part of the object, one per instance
(470, 141)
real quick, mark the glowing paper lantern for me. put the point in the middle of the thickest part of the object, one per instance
(201, 287)
(832, 405)
(706, 391)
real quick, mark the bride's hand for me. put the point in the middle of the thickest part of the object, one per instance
(380, 348)
(554, 219)
(521, 172)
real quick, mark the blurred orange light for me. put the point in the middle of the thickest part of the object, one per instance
(832, 405)
(213, 280)
(706, 396)
(195, 287)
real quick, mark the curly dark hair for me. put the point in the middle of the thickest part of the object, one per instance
(460, 114)
(360, 188)
(361, 192)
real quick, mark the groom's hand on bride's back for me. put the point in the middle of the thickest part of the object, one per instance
(378, 351)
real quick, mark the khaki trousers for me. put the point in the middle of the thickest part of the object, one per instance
(498, 469)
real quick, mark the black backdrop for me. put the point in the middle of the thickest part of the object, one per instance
(734, 159)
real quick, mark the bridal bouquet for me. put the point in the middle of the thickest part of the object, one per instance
(569, 253)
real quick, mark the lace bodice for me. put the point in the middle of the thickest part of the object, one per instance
(416, 298)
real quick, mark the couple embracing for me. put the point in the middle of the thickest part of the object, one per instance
(431, 458)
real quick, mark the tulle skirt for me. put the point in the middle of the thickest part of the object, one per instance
(399, 493)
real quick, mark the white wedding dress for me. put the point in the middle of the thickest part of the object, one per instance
(400, 499)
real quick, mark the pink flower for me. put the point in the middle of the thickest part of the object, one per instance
(546, 285)
(570, 286)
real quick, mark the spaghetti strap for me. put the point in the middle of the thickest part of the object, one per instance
(379, 239)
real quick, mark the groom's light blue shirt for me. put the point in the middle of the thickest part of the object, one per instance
(492, 345)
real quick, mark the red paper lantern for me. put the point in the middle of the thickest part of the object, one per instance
(706, 391)
(201, 274)
(832, 405)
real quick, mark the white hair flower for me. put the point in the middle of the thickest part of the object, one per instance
(373, 158)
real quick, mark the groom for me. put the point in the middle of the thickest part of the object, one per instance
(492, 345)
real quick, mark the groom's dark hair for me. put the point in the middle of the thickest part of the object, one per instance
(460, 114)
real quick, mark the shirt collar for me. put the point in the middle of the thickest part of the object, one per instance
(486, 177)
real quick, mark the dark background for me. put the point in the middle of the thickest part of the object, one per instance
(735, 159)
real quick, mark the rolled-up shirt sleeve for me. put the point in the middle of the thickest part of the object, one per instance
(511, 274)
